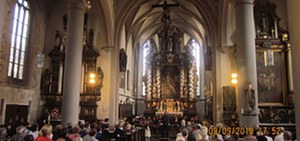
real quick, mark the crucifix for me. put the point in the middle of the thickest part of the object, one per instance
(165, 19)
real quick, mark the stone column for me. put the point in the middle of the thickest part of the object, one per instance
(114, 87)
(246, 56)
(73, 61)
(294, 30)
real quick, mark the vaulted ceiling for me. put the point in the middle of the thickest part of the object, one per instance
(197, 18)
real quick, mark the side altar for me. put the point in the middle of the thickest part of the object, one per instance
(170, 77)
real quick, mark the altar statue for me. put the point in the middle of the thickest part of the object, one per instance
(164, 105)
(250, 98)
(168, 89)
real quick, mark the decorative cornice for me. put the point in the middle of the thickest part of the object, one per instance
(108, 48)
(227, 48)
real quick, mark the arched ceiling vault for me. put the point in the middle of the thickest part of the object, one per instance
(197, 18)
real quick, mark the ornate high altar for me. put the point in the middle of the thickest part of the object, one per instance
(171, 75)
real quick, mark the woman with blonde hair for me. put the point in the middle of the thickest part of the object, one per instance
(46, 133)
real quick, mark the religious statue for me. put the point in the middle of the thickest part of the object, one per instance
(100, 76)
(164, 105)
(175, 106)
(208, 59)
(45, 81)
(123, 60)
(168, 88)
(250, 98)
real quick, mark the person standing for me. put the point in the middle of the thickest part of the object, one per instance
(147, 133)
(166, 124)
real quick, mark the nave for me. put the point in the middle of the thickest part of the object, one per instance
(224, 61)
(139, 128)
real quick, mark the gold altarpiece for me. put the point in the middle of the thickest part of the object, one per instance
(171, 75)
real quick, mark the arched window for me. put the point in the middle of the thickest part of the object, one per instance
(19, 40)
(145, 48)
(196, 52)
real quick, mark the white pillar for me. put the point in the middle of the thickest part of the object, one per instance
(114, 86)
(294, 29)
(246, 55)
(73, 61)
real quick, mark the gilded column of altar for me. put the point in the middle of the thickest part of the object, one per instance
(191, 82)
(195, 79)
(294, 30)
(158, 83)
(73, 61)
(246, 54)
(182, 81)
(149, 83)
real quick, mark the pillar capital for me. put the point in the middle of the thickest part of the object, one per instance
(108, 48)
(79, 4)
(240, 2)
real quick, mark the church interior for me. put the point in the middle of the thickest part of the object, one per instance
(229, 62)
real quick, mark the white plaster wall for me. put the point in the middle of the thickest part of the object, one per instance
(130, 66)
(105, 62)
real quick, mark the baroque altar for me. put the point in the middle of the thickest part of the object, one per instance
(170, 77)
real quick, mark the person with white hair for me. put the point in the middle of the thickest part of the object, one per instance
(219, 126)
(197, 132)
(183, 135)
(19, 136)
(279, 137)
(204, 135)
(3, 134)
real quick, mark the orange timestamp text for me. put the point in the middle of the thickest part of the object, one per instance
(243, 130)
(270, 130)
(231, 131)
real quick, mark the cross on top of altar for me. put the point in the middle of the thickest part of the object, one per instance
(165, 5)
(165, 19)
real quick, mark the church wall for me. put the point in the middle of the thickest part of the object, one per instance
(225, 71)
(105, 63)
(104, 60)
(129, 74)
(2, 17)
(104, 43)
(28, 94)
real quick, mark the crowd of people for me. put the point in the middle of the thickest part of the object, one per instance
(148, 128)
